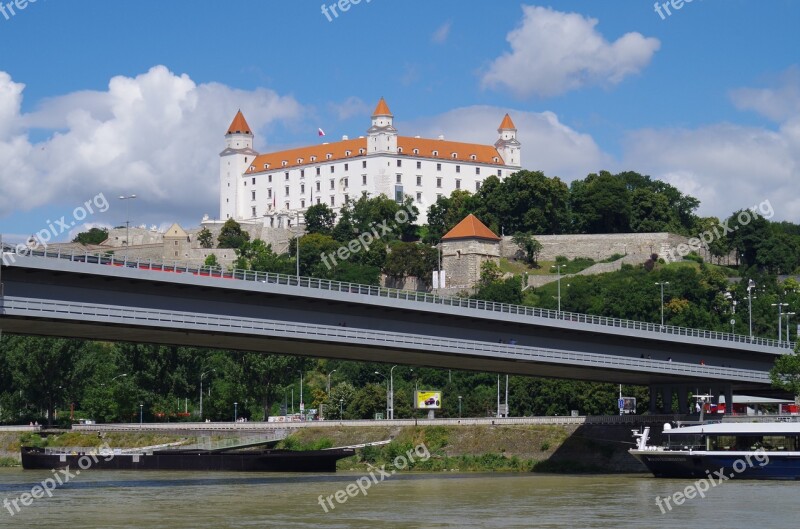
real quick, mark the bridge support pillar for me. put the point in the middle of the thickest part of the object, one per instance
(666, 398)
(716, 392)
(683, 400)
(728, 400)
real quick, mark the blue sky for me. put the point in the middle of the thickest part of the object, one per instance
(134, 97)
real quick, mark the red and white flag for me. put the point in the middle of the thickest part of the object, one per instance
(320, 132)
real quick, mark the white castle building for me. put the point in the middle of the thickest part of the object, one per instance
(276, 188)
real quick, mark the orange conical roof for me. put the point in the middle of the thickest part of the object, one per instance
(382, 109)
(239, 125)
(507, 123)
(471, 228)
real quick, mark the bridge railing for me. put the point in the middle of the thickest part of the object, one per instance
(391, 293)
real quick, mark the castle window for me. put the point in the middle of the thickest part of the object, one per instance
(399, 179)
(416, 151)
(266, 166)
(361, 151)
(333, 186)
(302, 173)
(495, 159)
(477, 186)
(328, 156)
(419, 197)
(419, 165)
(436, 153)
(399, 163)
(252, 195)
(318, 170)
(254, 211)
(286, 175)
(499, 172)
(299, 161)
(284, 163)
(286, 206)
(348, 153)
(346, 198)
(254, 181)
(269, 193)
(458, 184)
(302, 203)
(477, 170)
(438, 167)
(455, 155)
(419, 180)
(363, 179)
(400, 150)
(458, 168)
(245, 159)
(333, 201)
(332, 169)
(346, 167)
(287, 191)
(317, 200)
(302, 189)
(346, 182)
(269, 178)
(317, 186)
(313, 158)
(364, 164)
(473, 157)
(439, 182)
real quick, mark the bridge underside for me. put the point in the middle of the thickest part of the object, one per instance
(371, 329)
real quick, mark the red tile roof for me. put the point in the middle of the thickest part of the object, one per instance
(507, 123)
(471, 228)
(382, 109)
(407, 146)
(239, 125)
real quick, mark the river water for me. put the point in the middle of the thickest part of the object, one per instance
(225, 500)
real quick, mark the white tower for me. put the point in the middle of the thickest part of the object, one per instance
(507, 145)
(233, 162)
(382, 134)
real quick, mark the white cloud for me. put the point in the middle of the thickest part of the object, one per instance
(442, 32)
(553, 52)
(547, 144)
(352, 106)
(156, 135)
(778, 103)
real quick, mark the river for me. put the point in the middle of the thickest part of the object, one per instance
(173, 500)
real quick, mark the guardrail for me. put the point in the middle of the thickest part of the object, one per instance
(389, 293)
(326, 333)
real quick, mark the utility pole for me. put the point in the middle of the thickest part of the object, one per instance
(127, 200)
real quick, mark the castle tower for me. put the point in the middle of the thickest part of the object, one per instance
(382, 134)
(233, 162)
(507, 145)
(465, 248)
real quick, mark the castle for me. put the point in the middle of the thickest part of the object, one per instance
(276, 188)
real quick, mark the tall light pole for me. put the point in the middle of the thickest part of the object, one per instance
(459, 406)
(302, 404)
(780, 319)
(750, 286)
(201, 391)
(387, 391)
(558, 269)
(235, 411)
(662, 283)
(329, 380)
(341, 408)
(141, 413)
(391, 393)
(127, 200)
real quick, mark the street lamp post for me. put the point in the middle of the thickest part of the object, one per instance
(780, 319)
(329, 380)
(459, 406)
(558, 269)
(662, 283)
(201, 391)
(750, 286)
(141, 413)
(341, 408)
(127, 200)
(391, 393)
(235, 411)
(302, 404)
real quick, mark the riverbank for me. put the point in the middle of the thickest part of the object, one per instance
(573, 448)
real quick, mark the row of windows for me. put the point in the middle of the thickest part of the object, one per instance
(364, 166)
(453, 155)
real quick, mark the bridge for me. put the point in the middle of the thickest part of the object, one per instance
(100, 297)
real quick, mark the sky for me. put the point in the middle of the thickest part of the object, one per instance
(102, 99)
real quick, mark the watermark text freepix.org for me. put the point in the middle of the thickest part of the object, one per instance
(362, 242)
(701, 486)
(376, 475)
(343, 6)
(745, 217)
(10, 8)
(60, 478)
(97, 204)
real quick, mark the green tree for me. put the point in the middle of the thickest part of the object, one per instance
(258, 256)
(530, 247)
(231, 235)
(786, 373)
(205, 238)
(320, 219)
(211, 261)
(446, 212)
(93, 236)
(411, 260)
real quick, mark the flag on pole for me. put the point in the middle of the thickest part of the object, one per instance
(320, 132)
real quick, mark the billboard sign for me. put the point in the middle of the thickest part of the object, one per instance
(428, 400)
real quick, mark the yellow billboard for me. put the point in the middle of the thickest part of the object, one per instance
(428, 400)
